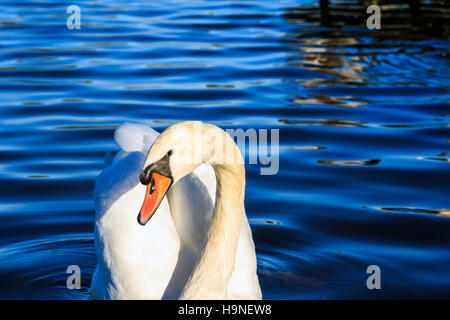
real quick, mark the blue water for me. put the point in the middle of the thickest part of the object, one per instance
(363, 118)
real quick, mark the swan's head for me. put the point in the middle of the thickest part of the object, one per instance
(173, 155)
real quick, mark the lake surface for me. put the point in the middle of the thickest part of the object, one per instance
(364, 134)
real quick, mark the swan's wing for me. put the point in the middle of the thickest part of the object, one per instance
(135, 137)
(134, 262)
(122, 174)
(205, 173)
(244, 283)
(191, 203)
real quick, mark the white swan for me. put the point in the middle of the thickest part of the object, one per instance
(198, 244)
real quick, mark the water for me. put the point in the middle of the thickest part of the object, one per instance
(363, 118)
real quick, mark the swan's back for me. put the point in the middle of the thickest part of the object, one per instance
(135, 137)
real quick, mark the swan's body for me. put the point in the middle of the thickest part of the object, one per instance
(194, 247)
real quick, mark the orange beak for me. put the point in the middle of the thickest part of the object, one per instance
(156, 190)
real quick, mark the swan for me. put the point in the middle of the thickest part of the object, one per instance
(170, 221)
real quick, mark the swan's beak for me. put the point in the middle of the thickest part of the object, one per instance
(156, 190)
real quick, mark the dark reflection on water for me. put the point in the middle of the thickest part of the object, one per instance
(363, 118)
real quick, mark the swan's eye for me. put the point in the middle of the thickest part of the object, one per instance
(170, 152)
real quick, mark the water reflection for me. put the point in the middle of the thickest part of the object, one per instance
(324, 122)
(441, 211)
(345, 49)
(370, 162)
(320, 99)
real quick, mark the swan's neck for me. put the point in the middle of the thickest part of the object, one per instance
(210, 277)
